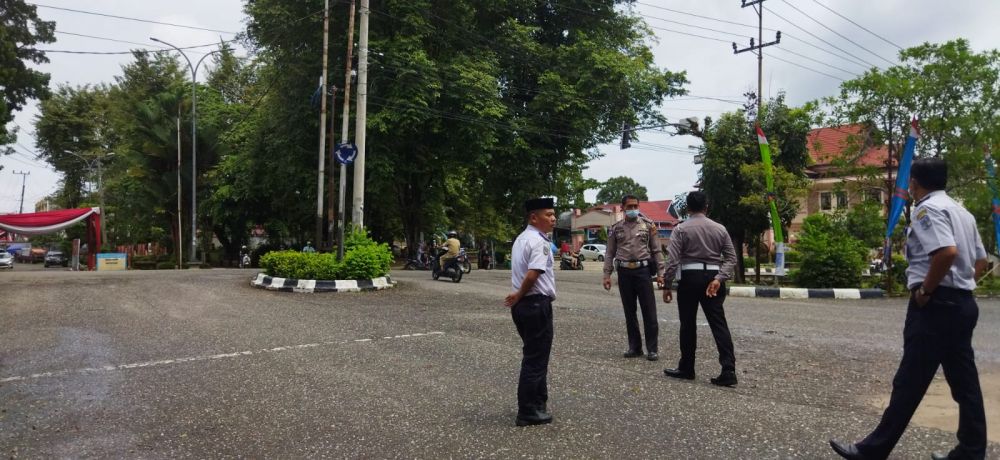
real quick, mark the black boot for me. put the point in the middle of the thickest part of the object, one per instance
(725, 379)
(532, 416)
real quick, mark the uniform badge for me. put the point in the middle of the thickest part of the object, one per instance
(924, 219)
(546, 250)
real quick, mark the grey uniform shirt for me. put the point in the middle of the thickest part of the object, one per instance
(702, 240)
(533, 251)
(936, 222)
(632, 240)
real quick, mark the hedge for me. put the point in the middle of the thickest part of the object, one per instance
(363, 259)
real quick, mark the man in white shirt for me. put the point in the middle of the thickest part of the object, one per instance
(534, 282)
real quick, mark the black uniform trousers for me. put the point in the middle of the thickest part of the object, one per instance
(634, 283)
(939, 333)
(533, 319)
(691, 292)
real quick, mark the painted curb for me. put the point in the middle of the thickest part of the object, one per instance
(803, 293)
(273, 283)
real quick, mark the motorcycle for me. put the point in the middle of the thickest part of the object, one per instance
(566, 262)
(452, 270)
(463, 261)
(420, 263)
(244, 259)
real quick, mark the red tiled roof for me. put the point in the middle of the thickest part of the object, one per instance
(829, 144)
(655, 211)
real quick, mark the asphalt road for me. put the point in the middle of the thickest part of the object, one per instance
(197, 363)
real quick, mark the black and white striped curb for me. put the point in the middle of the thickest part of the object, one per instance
(803, 293)
(273, 283)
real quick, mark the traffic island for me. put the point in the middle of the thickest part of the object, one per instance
(273, 283)
(804, 293)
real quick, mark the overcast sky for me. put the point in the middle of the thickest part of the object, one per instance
(660, 162)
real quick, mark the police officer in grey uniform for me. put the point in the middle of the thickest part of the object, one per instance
(632, 251)
(945, 257)
(530, 304)
(702, 252)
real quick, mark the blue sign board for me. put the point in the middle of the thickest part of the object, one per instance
(345, 153)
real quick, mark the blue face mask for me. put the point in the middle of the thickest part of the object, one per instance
(632, 213)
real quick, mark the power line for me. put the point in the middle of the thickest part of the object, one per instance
(818, 61)
(137, 43)
(807, 68)
(820, 39)
(145, 51)
(858, 25)
(837, 33)
(133, 19)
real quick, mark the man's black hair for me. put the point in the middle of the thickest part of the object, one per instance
(697, 201)
(930, 173)
(629, 196)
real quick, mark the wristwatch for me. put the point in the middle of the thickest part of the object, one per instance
(922, 293)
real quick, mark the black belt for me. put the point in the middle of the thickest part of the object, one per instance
(944, 289)
(632, 264)
(536, 296)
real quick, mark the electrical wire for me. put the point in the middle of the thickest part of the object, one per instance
(807, 68)
(137, 43)
(858, 25)
(837, 33)
(816, 61)
(819, 38)
(149, 21)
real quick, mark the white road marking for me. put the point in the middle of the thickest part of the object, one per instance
(163, 362)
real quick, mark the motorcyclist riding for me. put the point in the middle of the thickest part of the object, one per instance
(452, 245)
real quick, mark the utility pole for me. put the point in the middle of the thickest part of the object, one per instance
(24, 178)
(759, 48)
(345, 124)
(180, 214)
(758, 6)
(358, 214)
(331, 181)
(322, 127)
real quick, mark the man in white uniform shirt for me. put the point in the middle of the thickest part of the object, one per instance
(530, 306)
(946, 256)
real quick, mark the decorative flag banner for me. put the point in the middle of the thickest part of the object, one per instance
(779, 238)
(991, 172)
(902, 194)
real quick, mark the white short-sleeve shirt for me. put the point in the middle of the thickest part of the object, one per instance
(937, 221)
(533, 251)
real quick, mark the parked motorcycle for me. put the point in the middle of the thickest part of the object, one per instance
(463, 261)
(566, 263)
(419, 263)
(451, 270)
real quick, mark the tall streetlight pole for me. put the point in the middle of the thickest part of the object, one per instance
(194, 143)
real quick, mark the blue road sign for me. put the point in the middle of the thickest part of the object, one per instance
(346, 153)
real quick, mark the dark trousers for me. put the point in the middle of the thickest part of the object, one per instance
(635, 284)
(533, 319)
(939, 333)
(691, 292)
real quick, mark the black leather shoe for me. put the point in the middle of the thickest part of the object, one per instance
(632, 354)
(937, 456)
(849, 451)
(678, 374)
(652, 356)
(725, 379)
(535, 417)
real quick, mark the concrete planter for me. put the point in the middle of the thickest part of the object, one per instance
(272, 283)
(803, 293)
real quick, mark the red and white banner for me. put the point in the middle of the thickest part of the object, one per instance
(40, 223)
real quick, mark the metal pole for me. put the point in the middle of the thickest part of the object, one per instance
(104, 215)
(760, 59)
(345, 124)
(180, 213)
(321, 174)
(358, 214)
(331, 184)
(24, 179)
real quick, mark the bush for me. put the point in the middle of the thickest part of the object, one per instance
(165, 265)
(749, 262)
(366, 259)
(792, 257)
(831, 258)
(365, 262)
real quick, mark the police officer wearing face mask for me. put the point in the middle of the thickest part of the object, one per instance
(632, 251)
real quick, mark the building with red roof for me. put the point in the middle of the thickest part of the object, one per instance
(587, 224)
(847, 168)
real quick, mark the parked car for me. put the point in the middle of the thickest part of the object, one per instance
(593, 252)
(6, 260)
(55, 257)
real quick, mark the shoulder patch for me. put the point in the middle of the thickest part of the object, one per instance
(546, 250)
(924, 219)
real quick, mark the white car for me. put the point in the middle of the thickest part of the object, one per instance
(6, 260)
(593, 252)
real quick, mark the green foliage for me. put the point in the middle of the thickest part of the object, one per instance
(365, 262)
(793, 257)
(831, 258)
(865, 223)
(20, 31)
(613, 189)
(899, 266)
(165, 265)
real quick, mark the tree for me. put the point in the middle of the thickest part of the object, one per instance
(613, 189)
(831, 257)
(20, 30)
(732, 174)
